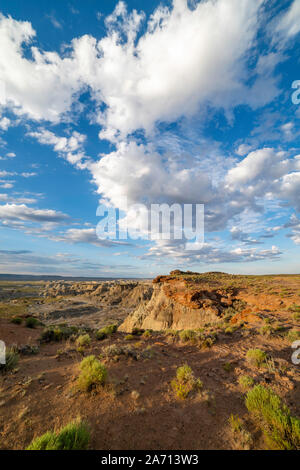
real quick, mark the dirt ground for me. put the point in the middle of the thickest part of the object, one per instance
(137, 409)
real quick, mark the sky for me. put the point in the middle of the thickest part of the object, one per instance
(175, 102)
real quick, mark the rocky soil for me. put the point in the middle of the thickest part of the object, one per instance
(220, 318)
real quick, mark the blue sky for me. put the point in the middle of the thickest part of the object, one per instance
(157, 102)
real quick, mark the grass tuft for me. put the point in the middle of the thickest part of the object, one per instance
(74, 436)
(281, 430)
(11, 360)
(31, 322)
(92, 374)
(256, 357)
(16, 320)
(246, 382)
(83, 341)
(185, 382)
(106, 331)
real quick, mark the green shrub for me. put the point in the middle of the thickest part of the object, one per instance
(74, 436)
(282, 431)
(92, 374)
(185, 382)
(294, 308)
(100, 335)
(171, 333)
(293, 335)
(187, 335)
(266, 330)
(106, 331)
(246, 382)
(129, 338)
(57, 333)
(147, 334)
(83, 341)
(235, 423)
(31, 322)
(229, 330)
(16, 320)
(242, 437)
(116, 351)
(208, 342)
(11, 360)
(227, 367)
(137, 331)
(256, 357)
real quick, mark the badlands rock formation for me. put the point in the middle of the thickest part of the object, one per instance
(127, 294)
(180, 301)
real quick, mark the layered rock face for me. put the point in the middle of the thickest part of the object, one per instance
(178, 302)
(126, 293)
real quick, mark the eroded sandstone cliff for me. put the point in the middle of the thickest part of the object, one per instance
(180, 301)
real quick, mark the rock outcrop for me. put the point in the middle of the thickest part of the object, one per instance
(128, 294)
(179, 302)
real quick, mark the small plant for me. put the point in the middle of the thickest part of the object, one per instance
(208, 342)
(173, 333)
(83, 341)
(93, 374)
(129, 338)
(115, 351)
(281, 430)
(235, 423)
(256, 357)
(147, 353)
(246, 382)
(74, 436)
(137, 331)
(187, 335)
(106, 331)
(16, 320)
(244, 437)
(227, 366)
(185, 382)
(293, 335)
(57, 333)
(147, 334)
(266, 330)
(11, 360)
(294, 308)
(229, 330)
(31, 322)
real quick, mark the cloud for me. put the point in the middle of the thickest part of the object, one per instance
(6, 184)
(54, 21)
(8, 155)
(238, 234)
(262, 171)
(209, 254)
(185, 58)
(17, 200)
(289, 24)
(5, 173)
(27, 262)
(21, 212)
(14, 252)
(70, 148)
(4, 123)
(294, 224)
(243, 149)
(87, 235)
(28, 175)
(206, 64)
(40, 86)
